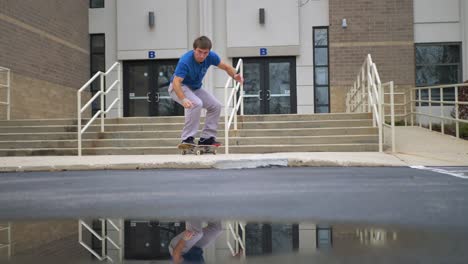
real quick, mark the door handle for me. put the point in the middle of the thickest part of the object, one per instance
(260, 95)
(268, 95)
(148, 97)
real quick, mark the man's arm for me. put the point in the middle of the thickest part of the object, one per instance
(177, 86)
(177, 252)
(231, 71)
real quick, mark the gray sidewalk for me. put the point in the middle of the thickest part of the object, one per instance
(415, 146)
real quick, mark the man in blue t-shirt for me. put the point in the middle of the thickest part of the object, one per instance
(187, 247)
(185, 89)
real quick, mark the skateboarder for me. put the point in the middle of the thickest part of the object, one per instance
(187, 247)
(185, 89)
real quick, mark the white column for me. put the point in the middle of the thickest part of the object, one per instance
(206, 29)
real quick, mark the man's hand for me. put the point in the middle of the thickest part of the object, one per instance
(231, 72)
(186, 103)
(177, 259)
(188, 235)
(239, 78)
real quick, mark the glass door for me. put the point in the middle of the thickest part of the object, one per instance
(146, 86)
(270, 85)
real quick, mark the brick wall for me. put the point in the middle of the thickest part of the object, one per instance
(29, 235)
(383, 28)
(45, 43)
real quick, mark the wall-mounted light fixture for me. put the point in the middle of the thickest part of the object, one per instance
(344, 23)
(151, 19)
(261, 16)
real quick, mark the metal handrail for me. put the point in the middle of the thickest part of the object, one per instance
(8, 244)
(100, 94)
(366, 95)
(236, 104)
(239, 241)
(103, 238)
(7, 86)
(392, 112)
(456, 103)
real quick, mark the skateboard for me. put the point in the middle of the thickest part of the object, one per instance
(197, 149)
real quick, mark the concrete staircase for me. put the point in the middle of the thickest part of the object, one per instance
(160, 135)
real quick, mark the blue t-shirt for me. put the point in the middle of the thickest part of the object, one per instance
(193, 72)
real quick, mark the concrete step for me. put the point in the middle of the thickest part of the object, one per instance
(160, 135)
(173, 150)
(179, 126)
(168, 142)
(180, 119)
(176, 133)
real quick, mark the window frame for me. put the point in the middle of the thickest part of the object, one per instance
(327, 46)
(93, 7)
(460, 63)
(91, 54)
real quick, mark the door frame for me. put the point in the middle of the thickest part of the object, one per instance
(153, 66)
(264, 74)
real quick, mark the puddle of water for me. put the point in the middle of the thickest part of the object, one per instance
(152, 241)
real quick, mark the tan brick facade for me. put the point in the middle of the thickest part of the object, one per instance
(383, 28)
(29, 235)
(45, 43)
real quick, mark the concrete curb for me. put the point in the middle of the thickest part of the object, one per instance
(233, 161)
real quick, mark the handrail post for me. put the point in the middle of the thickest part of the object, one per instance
(79, 121)
(457, 125)
(419, 106)
(119, 91)
(370, 81)
(381, 120)
(430, 109)
(226, 118)
(392, 118)
(235, 103)
(103, 235)
(102, 103)
(242, 88)
(442, 127)
(406, 109)
(411, 106)
(8, 95)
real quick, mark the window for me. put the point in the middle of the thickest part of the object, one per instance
(321, 78)
(438, 63)
(96, 3)
(98, 63)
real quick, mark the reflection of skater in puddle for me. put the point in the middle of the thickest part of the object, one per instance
(187, 247)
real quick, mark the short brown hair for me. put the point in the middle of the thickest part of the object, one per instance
(202, 42)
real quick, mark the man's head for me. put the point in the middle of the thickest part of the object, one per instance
(201, 48)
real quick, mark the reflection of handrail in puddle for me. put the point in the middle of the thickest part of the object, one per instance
(233, 229)
(7, 228)
(103, 238)
(375, 236)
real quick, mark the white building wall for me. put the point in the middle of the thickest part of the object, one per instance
(104, 20)
(442, 21)
(287, 32)
(312, 14)
(168, 37)
(464, 33)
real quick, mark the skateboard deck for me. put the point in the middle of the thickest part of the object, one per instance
(197, 149)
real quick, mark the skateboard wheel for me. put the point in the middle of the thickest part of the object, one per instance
(198, 152)
(184, 152)
(214, 152)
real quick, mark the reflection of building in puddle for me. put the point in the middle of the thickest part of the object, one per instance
(28, 241)
(5, 240)
(149, 240)
(375, 236)
(143, 241)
